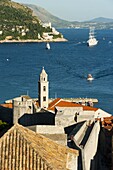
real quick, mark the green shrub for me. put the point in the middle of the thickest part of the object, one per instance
(2, 124)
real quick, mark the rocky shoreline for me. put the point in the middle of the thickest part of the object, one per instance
(31, 40)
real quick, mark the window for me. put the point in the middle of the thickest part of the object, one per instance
(44, 78)
(44, 88)
(44, 98)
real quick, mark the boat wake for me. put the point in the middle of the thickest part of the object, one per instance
(70, 71)
(97, 74)
(104, 73)
(78, 43)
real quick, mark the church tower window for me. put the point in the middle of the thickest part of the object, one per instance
(44, 88)
(44, 98)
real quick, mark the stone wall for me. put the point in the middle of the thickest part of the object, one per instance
(55, 133)
(66, 116)
(21, 107)
(85, 115)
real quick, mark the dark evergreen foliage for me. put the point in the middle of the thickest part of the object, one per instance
(16, 19)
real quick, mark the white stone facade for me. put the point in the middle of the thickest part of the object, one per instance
(101, 113)
(21, 105)
(43, 91)
(66, 116)
(55, 133)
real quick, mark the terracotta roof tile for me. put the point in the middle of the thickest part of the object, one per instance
(107, 122)
(7, 105)
(89, 108)
(61, 103)
(53, 103)
(68, 104)
(108, 118)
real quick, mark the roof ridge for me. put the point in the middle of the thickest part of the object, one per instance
(90, 108)
(59, 99)
(12, 136)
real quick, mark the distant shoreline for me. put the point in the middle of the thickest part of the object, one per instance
(31, 40)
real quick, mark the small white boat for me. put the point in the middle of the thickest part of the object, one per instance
(89, 77)
(92, 40)
(48, 46)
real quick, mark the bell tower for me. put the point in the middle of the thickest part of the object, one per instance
(43, 91)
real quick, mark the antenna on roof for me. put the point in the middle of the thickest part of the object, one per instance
(55, 95)
(27, 92)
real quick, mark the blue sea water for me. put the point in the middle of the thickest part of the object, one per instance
(67, 65)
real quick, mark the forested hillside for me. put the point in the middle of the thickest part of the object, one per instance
(17, 22)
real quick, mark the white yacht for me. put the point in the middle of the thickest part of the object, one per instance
(48, 46)
(92, 40)
(89, 77)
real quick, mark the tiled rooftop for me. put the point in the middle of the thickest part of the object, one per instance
(57, 102)
(7, 105)
(53, 103)
(22, 149)
(61, 103)
(107, 123)
(89, 108)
